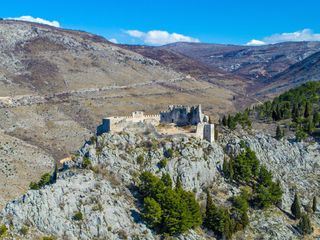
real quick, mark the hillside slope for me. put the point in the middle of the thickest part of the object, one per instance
(56, 85)
(252, 62)
(295, 75)
(107, 197)
(244, 70)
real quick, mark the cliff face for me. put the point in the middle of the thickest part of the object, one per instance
(106, 195)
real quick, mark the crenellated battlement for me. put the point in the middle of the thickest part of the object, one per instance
(177, 114)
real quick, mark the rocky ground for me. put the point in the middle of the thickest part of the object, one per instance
(105, 194)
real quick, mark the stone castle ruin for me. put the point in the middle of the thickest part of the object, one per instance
(183, 116)
(176, 114)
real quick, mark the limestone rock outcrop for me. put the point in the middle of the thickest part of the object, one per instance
(105, 195)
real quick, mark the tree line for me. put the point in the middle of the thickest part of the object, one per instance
(299, 106)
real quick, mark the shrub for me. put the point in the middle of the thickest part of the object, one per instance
(169, 153)
(78, 216)
(44, 180)
(140, 159)
(34, 186)
(163, 163)
(3, 229)
(49, 238)
(86, 162)
(300, 134)
(97, 207)
(24, 230)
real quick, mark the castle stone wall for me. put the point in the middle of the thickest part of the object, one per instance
(182, 115)
(116, 124)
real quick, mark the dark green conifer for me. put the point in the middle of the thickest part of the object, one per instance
(314, 204)
(305, 225)
(166, 179)
(316, 118)
(296, 207)
(152, 212)
(279, 133)
(307, 110)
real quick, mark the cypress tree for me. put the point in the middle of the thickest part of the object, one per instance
(54, 174)
(226, 168)
(316, 119)
(295, 112)
(305, 225)
(307, 110)
(314, 204)
(296, 207)
(310, 126)
(211, 211)
(279, 133)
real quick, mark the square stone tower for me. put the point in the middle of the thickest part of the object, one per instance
(208, 132)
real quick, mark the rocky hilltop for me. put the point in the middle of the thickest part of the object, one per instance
(106, 195)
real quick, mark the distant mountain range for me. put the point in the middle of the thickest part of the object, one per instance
(255, 67)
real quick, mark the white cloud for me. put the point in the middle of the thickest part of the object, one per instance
(157, 37)
(135, 33)
(113, 40)
(36, 20)
(298, 36)
(255, 42)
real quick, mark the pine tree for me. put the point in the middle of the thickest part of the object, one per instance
(305, 225)
(314, 204)
(296, 207)
(279, 133)
(166, 179)
(211, 209)
(152, 212)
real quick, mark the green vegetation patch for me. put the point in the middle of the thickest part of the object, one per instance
(165, 209)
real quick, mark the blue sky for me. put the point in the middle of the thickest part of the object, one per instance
(234, 22)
